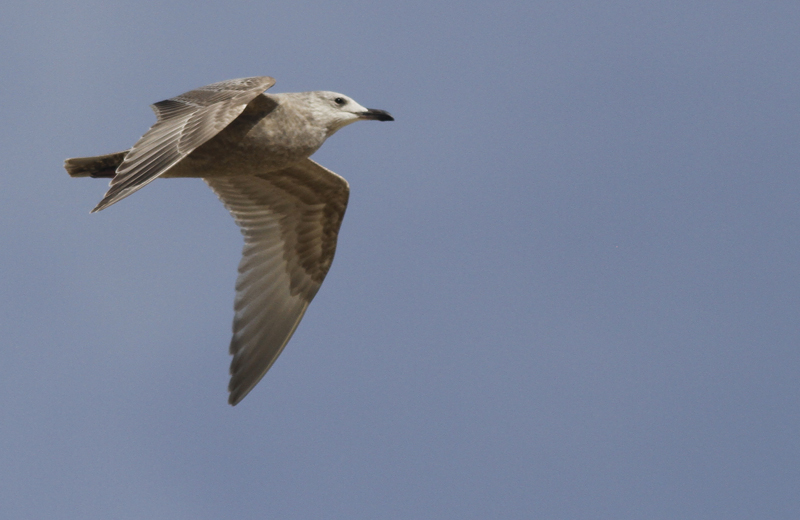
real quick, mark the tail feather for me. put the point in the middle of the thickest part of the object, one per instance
(99, 166)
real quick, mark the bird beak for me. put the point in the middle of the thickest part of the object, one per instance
(377, 115)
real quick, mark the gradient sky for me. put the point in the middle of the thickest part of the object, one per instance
(566, 285)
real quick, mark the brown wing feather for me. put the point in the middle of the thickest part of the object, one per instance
(290, 220)
(184, 123)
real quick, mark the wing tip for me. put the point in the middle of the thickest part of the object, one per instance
(238, 392)
(108, 200)
(233, 399)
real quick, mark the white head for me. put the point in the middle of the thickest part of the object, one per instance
(337, 110)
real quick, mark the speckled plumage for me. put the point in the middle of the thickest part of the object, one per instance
(253, 150)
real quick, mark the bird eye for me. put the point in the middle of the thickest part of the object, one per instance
(339, 101)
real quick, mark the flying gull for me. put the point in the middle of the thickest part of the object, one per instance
(253, 150)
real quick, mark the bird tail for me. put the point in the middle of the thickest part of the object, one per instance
(99, 166)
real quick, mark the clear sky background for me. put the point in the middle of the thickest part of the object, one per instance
(566, 285)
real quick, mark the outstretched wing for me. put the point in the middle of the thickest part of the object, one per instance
(290, 220)
(184, 123)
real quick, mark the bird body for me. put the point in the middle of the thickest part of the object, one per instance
(253, 150)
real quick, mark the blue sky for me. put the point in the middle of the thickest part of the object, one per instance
(566, 285)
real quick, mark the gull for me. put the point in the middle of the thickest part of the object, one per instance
(252, 149)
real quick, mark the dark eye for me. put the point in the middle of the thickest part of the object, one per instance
(339, 101)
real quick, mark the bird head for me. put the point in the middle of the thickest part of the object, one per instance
(337, 110)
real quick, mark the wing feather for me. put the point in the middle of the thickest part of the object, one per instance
(183, 123)
(290, 220)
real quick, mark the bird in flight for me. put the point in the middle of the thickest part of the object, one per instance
(252, 149)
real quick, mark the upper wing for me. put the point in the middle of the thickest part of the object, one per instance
(184, 123)
(290, 220)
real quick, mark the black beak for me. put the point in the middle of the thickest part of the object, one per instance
(377, 115)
